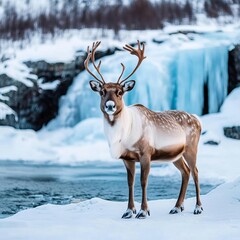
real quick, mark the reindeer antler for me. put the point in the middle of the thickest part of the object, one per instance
(139, 53)
(91, 55)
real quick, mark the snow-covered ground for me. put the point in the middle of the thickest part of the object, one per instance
(100, 219)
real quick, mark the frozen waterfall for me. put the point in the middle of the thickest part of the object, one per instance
(173, 76)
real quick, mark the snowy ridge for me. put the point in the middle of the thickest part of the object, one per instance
(5, 110)
(91, 220)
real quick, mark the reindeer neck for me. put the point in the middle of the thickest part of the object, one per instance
(120, 126)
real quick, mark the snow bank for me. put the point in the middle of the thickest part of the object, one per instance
(222, 160)
(100, 219)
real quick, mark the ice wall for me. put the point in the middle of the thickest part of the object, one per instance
(194, 67)
(171, 77)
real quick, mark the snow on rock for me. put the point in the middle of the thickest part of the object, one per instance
(101, 219)
(49, 85)
(5, 90)
(18, 71)
(6, 110)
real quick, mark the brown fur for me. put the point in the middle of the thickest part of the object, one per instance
(164, 154)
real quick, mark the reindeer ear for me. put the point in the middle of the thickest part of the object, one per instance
(95, 86)
(128, 85)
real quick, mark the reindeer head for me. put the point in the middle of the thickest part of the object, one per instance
(112, 93)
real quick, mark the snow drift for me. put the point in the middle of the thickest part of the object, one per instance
(92, 219)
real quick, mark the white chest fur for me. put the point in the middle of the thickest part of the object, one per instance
(124, 133)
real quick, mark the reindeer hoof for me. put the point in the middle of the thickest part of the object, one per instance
(176, 210)
(143, 214)
(198, 209)
(129, 213)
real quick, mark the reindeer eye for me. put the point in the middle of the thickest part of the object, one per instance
(119, 92)
(102, 92)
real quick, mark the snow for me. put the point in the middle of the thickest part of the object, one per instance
(228, 149)
(18, 72)
(5, 110)
(49, 85)
(228, 109)
(5, 90)
(101, 219)
(24, 6)
(62, 48)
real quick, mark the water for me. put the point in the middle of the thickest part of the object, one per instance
(27, 185)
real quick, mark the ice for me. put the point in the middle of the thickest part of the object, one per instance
(172, 77)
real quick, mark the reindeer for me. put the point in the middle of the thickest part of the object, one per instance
(137, 134)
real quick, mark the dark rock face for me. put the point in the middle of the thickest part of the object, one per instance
(232, 132)
(234, 68)
(34, 106)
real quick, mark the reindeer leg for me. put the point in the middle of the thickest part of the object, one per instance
(190, 157)
(198, 208)
(145, 169)
(130, 166)
(184, 169)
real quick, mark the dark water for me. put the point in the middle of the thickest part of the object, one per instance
(26, 185)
